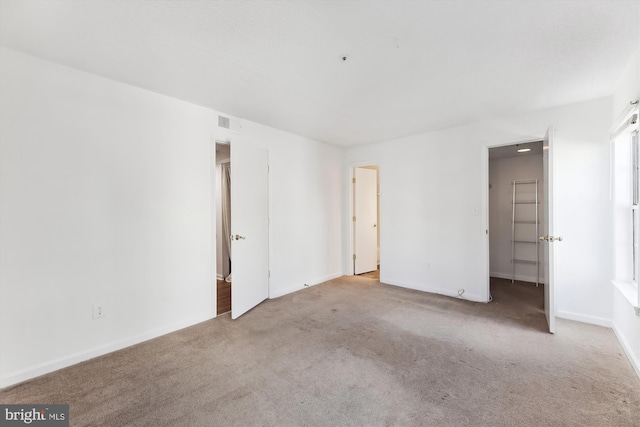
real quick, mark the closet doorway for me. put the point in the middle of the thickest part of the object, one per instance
(366, 221)
(516, 209)
(223, 227)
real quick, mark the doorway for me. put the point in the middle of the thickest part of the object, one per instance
(516, 195)
(500, 185)
(366, 221)
(515, 211)
(223, 228)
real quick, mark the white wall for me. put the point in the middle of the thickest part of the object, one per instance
(432, 186)
(106, 197)
(502, 172)
(626, 323)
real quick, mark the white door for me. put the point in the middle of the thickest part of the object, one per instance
(365, 201)
(547, 230)
(249, 227)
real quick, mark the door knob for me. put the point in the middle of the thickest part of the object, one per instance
(375, 225)
(543, 238)
(238, 237)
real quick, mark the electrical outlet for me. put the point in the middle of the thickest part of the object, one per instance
(99, 311)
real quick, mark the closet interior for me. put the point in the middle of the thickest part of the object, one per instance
(223, 227)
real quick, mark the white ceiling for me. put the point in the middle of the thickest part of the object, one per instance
(412, 66)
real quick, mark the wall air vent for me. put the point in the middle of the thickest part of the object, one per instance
(229, 125)
(224, 122)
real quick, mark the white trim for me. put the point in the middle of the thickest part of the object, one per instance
(213, 215)
(584, 318)
(635, 363)
(81, 356)
(431, 290)
(283, 292)
(485, 208)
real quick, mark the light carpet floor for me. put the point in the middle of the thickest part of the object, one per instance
(354, 352)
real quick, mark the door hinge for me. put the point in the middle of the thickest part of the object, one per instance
(354, 257)
(353, 180)
(268, 168)
(269, 275)
(354, 219)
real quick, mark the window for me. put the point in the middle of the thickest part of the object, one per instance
(625, 173)
(634, 206)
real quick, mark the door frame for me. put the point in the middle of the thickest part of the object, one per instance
(213, 181)
(484, 191)
(549, 228)
(214, 224)
(350, 174)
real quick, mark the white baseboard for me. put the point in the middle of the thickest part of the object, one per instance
(282, 292)
(433, 290)
(633, 359)
(72, 359)
(594, 320)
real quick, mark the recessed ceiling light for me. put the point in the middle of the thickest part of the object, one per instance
(524, 150)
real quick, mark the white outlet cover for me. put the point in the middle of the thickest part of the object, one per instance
(99, 311)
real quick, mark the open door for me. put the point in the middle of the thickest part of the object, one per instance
(365, 200)
(250, 227)
(547, 229)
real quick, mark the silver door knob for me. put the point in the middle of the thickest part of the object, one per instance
(238, 237)
(543, 238)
